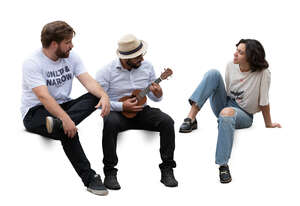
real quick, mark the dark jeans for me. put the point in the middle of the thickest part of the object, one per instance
(78, 110)
(149, 119)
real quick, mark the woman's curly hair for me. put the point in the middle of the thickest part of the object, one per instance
(255, 54)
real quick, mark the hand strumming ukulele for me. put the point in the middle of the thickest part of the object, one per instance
(141, 94)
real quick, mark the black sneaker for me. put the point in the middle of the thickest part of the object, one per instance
(53, 124)
(188, 125)
(96, 186)
(224, 173)
(167, 178)
(111, 182)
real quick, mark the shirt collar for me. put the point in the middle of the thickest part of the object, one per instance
(118, 64)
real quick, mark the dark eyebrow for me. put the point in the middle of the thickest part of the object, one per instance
(239, 50)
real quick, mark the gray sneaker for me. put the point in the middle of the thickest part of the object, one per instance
(96, 186)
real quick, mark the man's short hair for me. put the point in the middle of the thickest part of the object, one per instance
(56, 31)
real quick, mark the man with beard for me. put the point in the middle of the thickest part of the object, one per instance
(47, 108)
(120, 78)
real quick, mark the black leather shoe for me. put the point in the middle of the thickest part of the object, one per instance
(224, 173)
(167, 178)
(53, 124)
(188, 126)
(111, 182)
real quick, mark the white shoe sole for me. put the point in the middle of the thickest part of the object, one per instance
(98, 192)
(49, 124)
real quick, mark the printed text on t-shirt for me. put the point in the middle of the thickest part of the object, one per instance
(58, 77)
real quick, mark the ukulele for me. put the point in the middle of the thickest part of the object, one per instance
(141, 94)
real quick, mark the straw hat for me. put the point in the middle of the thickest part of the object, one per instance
(131, 47)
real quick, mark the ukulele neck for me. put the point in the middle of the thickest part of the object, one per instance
(145, 91)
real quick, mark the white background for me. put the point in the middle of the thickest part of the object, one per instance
(190, 37)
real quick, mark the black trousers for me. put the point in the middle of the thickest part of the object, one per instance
(78, 110)
(149, 119)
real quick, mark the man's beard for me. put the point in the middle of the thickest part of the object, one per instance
(60, 54)
(134, 65)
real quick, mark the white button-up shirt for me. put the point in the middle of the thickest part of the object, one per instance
(119, 82)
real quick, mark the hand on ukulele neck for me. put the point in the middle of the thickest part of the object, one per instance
(156, 90)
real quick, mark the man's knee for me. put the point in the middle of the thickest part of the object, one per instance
(91, 97)
(166, 120)
(112, 121)
(227, 112)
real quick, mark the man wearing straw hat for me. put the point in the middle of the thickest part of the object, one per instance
(120, 78)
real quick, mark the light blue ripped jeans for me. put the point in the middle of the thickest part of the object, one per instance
(212, 87)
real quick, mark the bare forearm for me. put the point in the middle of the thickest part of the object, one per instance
(92, 85)
(50, 103)
(53, 107)
(266, 114)
(94, 88)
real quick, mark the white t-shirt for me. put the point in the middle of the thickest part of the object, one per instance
(58, 75)
(249, 89)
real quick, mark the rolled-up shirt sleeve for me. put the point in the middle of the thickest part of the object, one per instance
(116, 106)
(102, 77)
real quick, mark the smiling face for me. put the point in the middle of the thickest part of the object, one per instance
(63, 48)
(240, 56)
